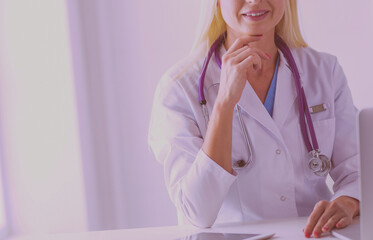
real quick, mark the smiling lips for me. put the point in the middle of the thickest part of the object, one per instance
(256, 15)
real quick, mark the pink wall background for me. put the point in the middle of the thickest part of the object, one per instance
(346, 31)
(40, 150)
(130, 45)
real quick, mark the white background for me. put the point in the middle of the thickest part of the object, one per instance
(41, 152)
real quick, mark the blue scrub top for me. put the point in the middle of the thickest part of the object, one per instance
(270, 98)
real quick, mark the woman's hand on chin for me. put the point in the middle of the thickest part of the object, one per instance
(239, 64)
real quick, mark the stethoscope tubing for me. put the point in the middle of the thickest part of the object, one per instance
(304, 114)
(303, 109)
(212, 50)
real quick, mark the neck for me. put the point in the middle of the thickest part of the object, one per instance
(266, 44)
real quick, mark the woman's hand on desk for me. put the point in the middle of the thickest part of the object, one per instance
(328, 215)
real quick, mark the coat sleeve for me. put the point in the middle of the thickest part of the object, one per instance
(196, 184)
(345, 152)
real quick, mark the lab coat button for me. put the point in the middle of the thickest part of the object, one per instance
(278, 151)
(283, 198)
(241, 163)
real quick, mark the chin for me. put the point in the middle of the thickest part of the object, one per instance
(252, 33)
(258, 32)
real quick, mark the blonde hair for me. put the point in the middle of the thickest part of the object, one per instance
(212, 25)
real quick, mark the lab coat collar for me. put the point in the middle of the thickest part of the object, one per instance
(284, 97)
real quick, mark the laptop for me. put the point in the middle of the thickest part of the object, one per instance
(364, 229)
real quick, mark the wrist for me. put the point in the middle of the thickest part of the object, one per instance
(352, 203)
(223, 107)
(355, 204)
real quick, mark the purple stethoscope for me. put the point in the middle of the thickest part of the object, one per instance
(318, 163)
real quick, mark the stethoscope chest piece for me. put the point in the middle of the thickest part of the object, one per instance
(319, 163)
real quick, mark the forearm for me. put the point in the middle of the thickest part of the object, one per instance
(218, 141)
(200, 194)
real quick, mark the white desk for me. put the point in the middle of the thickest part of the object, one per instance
(289, 229)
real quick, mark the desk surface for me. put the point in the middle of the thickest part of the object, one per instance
(290, 229)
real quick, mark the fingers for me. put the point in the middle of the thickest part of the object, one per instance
(327, 222)
(252, 61)
(344, 222)
(328, 219)
(326, 216)
(336, 220)
(240, 52)
(247, 52)
(241, 41)
(227, 57)
(314, 217)
(247, 57)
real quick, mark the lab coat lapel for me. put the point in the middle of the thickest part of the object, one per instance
(285, 97)
(251, 104)
(286, 93)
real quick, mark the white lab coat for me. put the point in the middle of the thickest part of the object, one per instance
(279, 183)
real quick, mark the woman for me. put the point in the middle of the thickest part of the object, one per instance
(238, 150)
